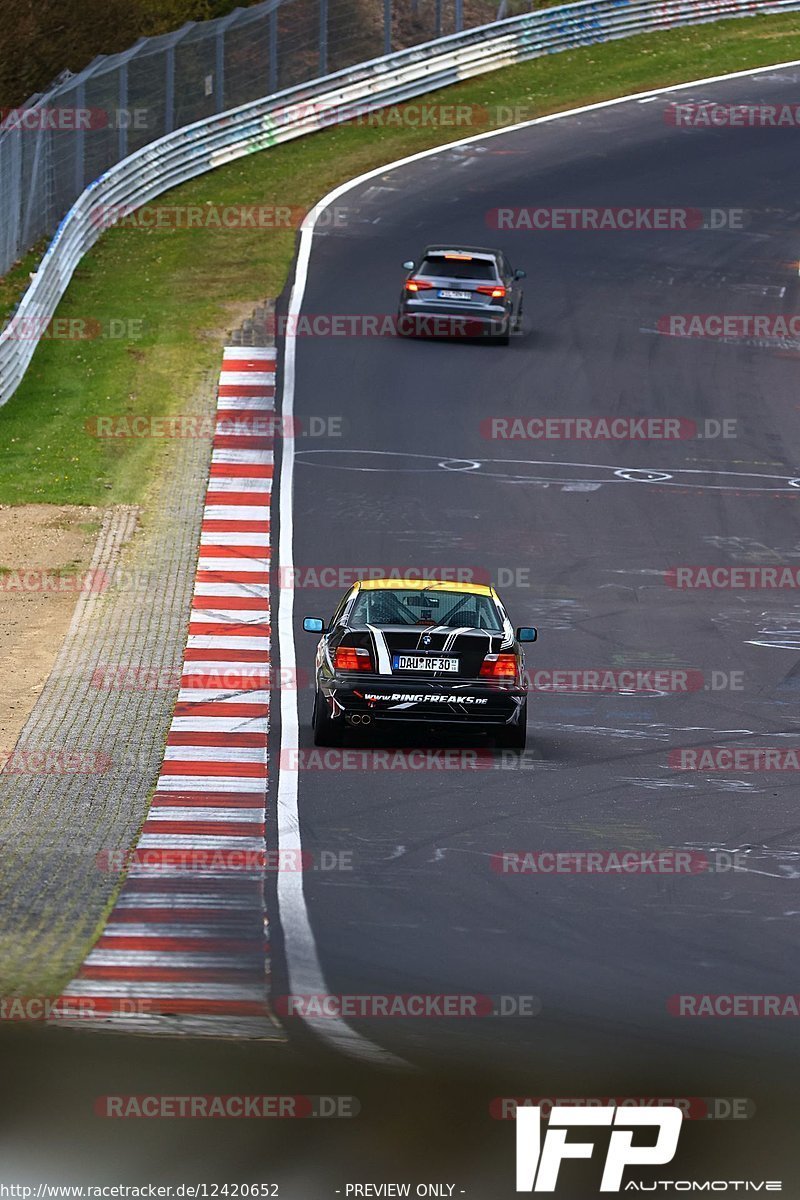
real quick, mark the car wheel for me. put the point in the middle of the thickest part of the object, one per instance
(326, 731)
(518, 321)
(502, 339)
(513, 737)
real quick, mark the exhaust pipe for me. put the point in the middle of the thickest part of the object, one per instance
(359, 718)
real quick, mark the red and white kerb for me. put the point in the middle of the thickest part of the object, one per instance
(185, 947)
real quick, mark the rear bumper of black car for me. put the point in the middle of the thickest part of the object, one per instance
(422, 702)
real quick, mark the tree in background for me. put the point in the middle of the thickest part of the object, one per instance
(41, 38)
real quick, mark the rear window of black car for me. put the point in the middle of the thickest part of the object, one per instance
(458, 268)
(395, 606)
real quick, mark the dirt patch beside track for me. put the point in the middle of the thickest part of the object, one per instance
(45, 550)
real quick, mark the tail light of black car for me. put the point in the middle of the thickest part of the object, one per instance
(417, 285)
(503, 667)
(496, 290)
(352, 658)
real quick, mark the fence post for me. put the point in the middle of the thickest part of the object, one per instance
(273, 51)
(219, 70)
(459, 15)
(438, 18)
(323, 37)
(387, 26)
(80, 143)
(33, 194)
(169, 89)
(122, 112)
(10, 197)
(219, 59)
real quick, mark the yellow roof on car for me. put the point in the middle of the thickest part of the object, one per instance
(423, 585)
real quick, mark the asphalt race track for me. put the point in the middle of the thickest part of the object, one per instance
(579, 536)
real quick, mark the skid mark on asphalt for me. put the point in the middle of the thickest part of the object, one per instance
(184, 950)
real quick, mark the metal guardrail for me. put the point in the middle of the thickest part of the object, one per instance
(194, 149)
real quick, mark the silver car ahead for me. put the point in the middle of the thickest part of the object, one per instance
(464, 291)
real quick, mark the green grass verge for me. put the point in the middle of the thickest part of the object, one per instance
(185, 288)
(15, 282)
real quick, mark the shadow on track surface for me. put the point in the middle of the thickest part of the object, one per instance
(421, 1127)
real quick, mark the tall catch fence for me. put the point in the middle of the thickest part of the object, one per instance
(56, 144)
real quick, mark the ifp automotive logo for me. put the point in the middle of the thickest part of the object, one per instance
(539, 1160)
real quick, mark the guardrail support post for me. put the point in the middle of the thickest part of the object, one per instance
(459, 15)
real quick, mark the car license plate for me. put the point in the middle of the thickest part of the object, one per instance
(455, 295)
(423, 662)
